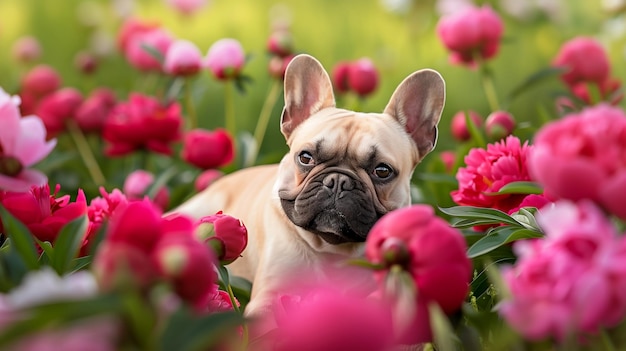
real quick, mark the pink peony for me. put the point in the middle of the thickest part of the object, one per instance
(41, 80)
(183, 58)
(57, 107)
(499, 124)
(585, 60)
(570, 282)
(225, 59)
(186, 7)
(363, 77)
(326, 318)
(488, 170)
(207, 178)
(340, 77)
(22, 144)
(26, 49)
(278, 65)
(137, 53)
(92, 113)
(229, 234)
(100, 209)
(470, 32)
(130, 28)
(206, 149)
(137, 184)
(86, 62)
(280, 43)
(44, 214)
(142, 122)
(582, 156)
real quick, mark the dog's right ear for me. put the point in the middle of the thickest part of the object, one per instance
(308, 89)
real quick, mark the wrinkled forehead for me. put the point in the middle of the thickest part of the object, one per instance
(369, 135)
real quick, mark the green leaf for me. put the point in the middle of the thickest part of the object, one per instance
(68, 243)
(21, 239)
(489, 215)
(162, 180)
(154, 52)
(519, 188)
(533, 79)
(443, 334)
(438, 178)
(499, 236)
(476, 135)
(185, 331)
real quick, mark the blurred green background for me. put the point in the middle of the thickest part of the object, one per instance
(399, 42)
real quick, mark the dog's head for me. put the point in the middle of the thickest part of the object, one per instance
(346, 169)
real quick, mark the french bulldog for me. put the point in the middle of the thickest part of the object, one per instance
(344, 170)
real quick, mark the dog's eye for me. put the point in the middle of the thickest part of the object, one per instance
(383, 171)
(306, 159)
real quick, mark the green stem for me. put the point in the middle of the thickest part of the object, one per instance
(229, 108)
(266, 111)
(191, 110)
(233, 301)
(606, 341)
(85, 152)
(488, 86)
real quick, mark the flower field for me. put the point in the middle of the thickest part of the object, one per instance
(115, 112)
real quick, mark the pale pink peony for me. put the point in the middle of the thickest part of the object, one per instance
(137, 53)
(183, 58)
(225, 59)
(470, 32)
(582, 156)
(26, 49)
(488, 170)
(22, 144)
(571, 282)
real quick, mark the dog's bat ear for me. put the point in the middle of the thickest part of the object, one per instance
(417, 104)
(308, 89)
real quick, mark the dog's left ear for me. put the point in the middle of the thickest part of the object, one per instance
(417, 104)
(308, 90)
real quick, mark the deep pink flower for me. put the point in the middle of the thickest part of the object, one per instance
(585, 60)
(187, 7)
(435, 253)
(569, 283)
(183, 58)
(206, 178)
(137, 184)
(57, 107)
(26, 49)
(189, 265)
(363, 77)
(278, 65)
(499, 124)
(488, 170)
(582, 156)
(44, 214)
(138, 56)
(142, 122)
(340, 77)
(86, 62)
(206, 149)
(100, 209)
(229, 234)
(448, 158)
(22, 144)
(219, 301)
(225, 59)
(132, 27)
(280, 43)
(458, 126)
(327, 318)
(469, 32)
(92, 113)
(609, 91)
(41, 80)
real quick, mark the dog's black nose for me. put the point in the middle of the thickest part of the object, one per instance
(339, 182)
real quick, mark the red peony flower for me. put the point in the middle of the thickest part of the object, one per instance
(469, 32)
(340, 77)
(206, 178)
(363, 77)
(205, 149)
(142, 122)
(229, 235)
(92, 113)
(41, 80)
(488, 170)
(57, 107)
(43, 213)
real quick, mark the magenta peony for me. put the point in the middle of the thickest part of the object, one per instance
(363, 77)
(570, 282)
(229, 234)
(585, 60)
(488, 170)
(582, 156)
(459, 128)
(471, 32)
(208, 149)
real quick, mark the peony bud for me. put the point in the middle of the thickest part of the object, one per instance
(137, 184)
(57, 107)
(459, 127)
(92, 113)
(278, 65)
(585, 60)
(280, 43)
(205, 149)
(41, 80)
(363, 77)
(499, 124)
(183, 58)
(206, 178)
(340, 77)
(137, 52)
(229, 235)
(86, 62)
(26, 49)
(225, 59)
(186, 7)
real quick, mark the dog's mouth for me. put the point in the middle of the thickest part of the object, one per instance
(335, 206)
